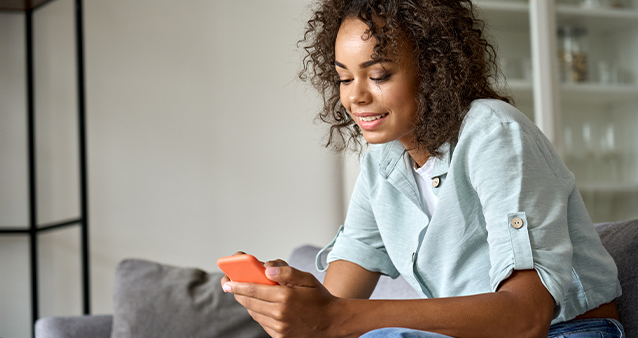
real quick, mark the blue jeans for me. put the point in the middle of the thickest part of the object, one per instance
(582, 328)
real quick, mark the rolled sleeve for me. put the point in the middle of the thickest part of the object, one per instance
(362, 254)
(523, 188)
(359, 240)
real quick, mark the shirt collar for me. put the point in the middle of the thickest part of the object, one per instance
(394, 151)
(442, 165)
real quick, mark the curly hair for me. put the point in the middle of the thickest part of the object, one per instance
(455, 62)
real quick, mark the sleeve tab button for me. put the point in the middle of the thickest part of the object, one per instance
(517, 223)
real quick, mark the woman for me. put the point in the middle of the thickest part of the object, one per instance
(463, 196)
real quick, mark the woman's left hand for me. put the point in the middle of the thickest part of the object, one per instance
(299, 307)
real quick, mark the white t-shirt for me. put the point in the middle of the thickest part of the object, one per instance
(423, 177)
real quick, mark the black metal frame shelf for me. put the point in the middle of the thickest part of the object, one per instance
(33, 229)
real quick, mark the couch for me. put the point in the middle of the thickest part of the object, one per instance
(620, 239)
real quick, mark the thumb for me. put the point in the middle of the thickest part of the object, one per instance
(276, 262)
(289, 276)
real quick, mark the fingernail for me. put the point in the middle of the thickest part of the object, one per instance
(226, 287)
(272, 271)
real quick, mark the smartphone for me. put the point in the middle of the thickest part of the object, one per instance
(244, 268)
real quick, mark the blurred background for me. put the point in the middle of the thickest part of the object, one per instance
(201, 139)
(201, 142)
(571, 67)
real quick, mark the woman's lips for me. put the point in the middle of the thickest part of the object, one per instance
(370, 121)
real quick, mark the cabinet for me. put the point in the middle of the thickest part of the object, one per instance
(26, 9)
(591, 118)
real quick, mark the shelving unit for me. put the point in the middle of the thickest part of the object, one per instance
(34, 228)
(591, 123)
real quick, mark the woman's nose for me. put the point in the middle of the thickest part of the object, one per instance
(359, 93)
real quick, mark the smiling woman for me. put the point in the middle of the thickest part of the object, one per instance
(463, 195)
(444, 44)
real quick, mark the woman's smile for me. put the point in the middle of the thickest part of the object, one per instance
(370, 121)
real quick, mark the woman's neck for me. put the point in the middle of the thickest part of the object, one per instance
(419, 156)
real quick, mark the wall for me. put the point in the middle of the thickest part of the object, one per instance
(201, 142)
(14, 293)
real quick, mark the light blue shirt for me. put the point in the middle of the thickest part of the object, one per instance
(501, 170)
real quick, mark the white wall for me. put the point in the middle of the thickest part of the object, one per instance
(14, 293)
(201, 142)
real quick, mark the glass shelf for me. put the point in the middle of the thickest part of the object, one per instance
(505, 15)
(597, 19)
(598, 93)
(522, 90)
(608, 188)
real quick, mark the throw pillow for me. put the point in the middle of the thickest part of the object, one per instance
(621, 241)
(160, 301)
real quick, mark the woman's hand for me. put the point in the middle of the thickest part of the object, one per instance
(299, 307)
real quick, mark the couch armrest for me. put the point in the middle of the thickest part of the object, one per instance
(621, 241)
(74, 327)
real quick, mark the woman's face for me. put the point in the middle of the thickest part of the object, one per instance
(380, 96)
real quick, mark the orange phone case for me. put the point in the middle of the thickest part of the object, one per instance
(244, 268)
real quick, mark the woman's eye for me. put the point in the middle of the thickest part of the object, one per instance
(380, 79)
(344, 81)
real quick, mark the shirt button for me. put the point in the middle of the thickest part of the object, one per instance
(517, 223)
(436, 182)
(413, 256)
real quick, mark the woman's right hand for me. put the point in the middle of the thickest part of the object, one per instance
(300, 306)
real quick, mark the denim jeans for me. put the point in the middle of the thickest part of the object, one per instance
(588, 328)
(582, 328)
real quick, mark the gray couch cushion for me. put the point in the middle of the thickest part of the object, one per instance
(621, 241)
(74, 327)
(160, 301)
